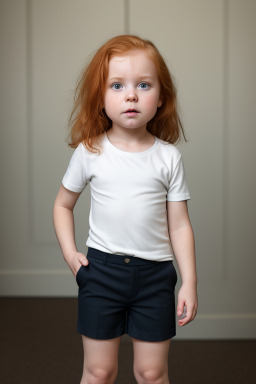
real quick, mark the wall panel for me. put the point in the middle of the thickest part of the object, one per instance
(209, 47)
(46, 44)
(190, 37)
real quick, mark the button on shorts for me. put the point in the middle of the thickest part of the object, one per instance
(121, 294)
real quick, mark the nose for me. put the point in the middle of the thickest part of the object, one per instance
(131, 95)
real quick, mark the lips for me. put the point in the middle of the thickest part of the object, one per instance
(131, 110)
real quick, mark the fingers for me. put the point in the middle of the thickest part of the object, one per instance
(75, 260)
(186, 313)
(180, 308)
(83, 260)
(186, 317)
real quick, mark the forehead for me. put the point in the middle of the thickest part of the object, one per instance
(135, 61)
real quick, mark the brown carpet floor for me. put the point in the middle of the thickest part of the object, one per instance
(39, 345)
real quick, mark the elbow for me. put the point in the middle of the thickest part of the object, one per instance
(182, 226)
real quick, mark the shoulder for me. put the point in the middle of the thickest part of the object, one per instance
(169, 150)
(79, 148)
(94, 150)
(78, 152)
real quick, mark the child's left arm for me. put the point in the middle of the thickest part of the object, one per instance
(182, 240)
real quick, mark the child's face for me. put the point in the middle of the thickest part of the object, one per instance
(132, 83)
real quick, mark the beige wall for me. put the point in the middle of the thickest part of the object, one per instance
(209, 47)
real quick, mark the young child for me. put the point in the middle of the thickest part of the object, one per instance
(124, 125)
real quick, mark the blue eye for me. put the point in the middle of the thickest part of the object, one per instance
(144, 85)
(116, 85)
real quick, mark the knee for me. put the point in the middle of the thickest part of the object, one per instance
(99, 376)
(151, 376)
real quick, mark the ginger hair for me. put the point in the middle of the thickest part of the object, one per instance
(88, 119)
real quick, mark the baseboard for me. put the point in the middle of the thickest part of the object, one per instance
(61, 283)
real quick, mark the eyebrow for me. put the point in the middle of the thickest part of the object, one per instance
(139, 77)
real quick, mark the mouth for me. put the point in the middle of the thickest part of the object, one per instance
(131, 112)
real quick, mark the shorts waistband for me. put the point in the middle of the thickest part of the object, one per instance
(118, 259)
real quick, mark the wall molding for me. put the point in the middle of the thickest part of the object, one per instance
(17, 284)
(225, 144)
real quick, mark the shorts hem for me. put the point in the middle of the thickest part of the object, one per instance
(100, 335)
(146, 336)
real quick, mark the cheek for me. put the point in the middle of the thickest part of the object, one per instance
(152, 102)
(110, 102)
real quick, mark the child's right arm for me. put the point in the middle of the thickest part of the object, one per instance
(63, 221)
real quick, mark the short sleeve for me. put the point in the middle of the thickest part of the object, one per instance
(178, 188)
(75, 178)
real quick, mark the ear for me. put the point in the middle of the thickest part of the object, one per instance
(159, 103)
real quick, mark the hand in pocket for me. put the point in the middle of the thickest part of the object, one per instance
(75, 260)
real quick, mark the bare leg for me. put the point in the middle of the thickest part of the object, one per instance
(151, 361)
(100, 360)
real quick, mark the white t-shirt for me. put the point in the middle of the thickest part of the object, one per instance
(128, 214)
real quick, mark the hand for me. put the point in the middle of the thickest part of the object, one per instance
(187, 297)
(75, 260)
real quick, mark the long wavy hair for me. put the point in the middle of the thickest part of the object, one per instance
(88, 119)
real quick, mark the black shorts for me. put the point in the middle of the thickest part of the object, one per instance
(125, 294)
